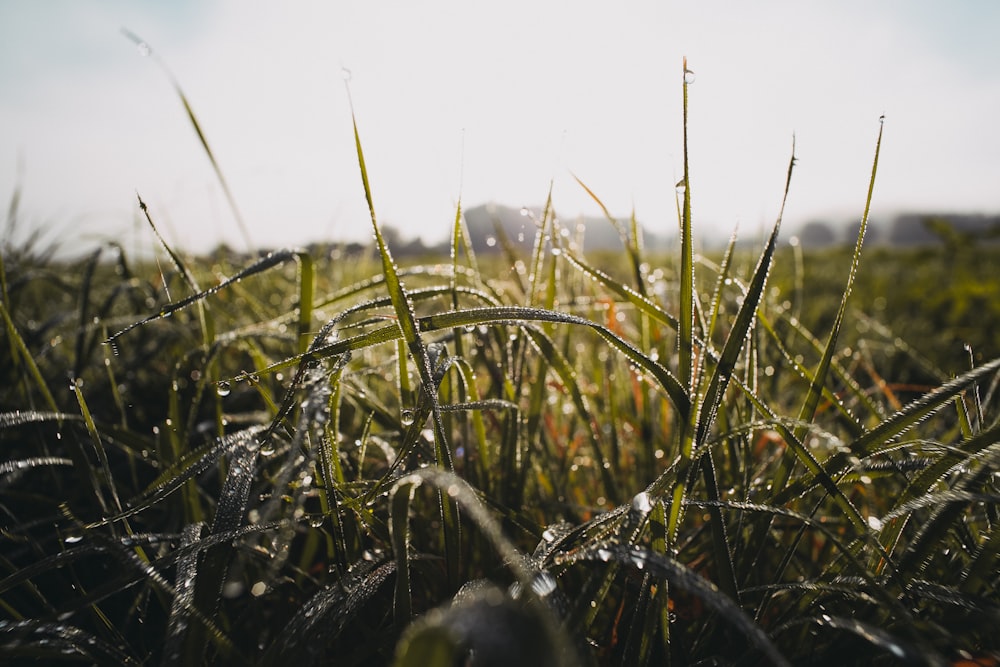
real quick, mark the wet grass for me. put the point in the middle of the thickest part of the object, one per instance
(331, 459)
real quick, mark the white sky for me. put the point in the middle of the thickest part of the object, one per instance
(489, 102)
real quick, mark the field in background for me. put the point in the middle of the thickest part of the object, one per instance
(285, 484)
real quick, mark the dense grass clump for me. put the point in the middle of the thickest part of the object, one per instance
(330, 460)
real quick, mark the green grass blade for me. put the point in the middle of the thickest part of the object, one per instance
(25, 357)
(399, 530)
(406, 319)
(685, 320)
(808, 410)
(740, 331)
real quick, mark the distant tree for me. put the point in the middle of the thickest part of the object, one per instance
(872, 234)
(816, 235)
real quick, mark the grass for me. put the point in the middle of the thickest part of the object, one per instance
(478, 462)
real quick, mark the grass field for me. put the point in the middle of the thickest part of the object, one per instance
(755, 458)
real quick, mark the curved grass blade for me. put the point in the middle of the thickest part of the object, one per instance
(520, 315)
(679, 575)
(9, 470)
(269, 261)
(482, 625)
(641, 302)
(43, 640)
(186, 469)
(532, 582)
(920, 409)
(898, 649)
(323, 617)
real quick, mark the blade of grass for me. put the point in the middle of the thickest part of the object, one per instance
(808, 410)
(406, 319)
(146, 50)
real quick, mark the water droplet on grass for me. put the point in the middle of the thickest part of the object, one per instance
(642, 503)
(224, 388)
(407, 417)
(688, 76)
(543, 584)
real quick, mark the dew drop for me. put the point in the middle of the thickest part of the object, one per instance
(144, 49)
(224, 388)
(345, 74)
(232, 589)
(688, 76)
(543, 584)
(407, 417)
(642, 503)
(73, 539)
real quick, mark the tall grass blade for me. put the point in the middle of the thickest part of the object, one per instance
(808, 410)
(685, 331)
(741, 328)
(146, 50)
(399, 531)
(406, 319)
(183, 602)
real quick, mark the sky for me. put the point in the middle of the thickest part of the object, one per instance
(478, 102)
